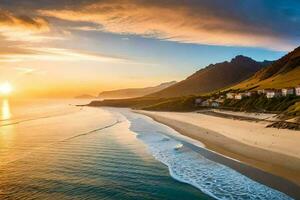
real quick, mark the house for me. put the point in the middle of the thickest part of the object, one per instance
(230, 95)
(297, 90)
(198, 101)
(240, 96)
(287, 91)
(272, 93)
(220, 100)
(263, 91)
(215, 104)
(205, 103)
(250, 93)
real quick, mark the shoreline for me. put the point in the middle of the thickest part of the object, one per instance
(279, 164)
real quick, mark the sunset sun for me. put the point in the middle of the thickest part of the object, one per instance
(6, 88)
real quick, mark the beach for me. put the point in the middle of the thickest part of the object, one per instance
(272, 150)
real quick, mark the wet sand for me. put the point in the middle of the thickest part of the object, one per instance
(258, 148)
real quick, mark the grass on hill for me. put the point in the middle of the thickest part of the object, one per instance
(293, 110)
(288, 106)
(282, 80)
(177, 104)
(260, 103)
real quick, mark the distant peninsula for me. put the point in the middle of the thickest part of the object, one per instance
(85, 96)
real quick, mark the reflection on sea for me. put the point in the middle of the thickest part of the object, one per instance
(5, 110)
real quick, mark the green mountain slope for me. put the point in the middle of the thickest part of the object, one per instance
(285, 72)
(213, 77)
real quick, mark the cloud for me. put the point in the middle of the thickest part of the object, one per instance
(20, 54)
(22, 27)
(86, 28)
(200, 22)
(25, 70)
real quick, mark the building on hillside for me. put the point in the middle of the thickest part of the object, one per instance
(263, 91)
(220, 100)
(250, 93)
(297, 90)
(205, 103)
(230, 95)
(287, 91)
(240, 96)
(273, 93)
(222, 97)
(215, 104)
(198, 101)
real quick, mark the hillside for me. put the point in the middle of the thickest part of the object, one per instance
(214, 77)
(133, 92)
(85, 96)
(285, 72)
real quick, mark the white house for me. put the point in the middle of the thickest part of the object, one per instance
(272, 93)
(240, 96)
(220, 100)
(205, 103)
(215, 104)
(287, 91)
(263, 91)
(198, 101)
(297, 90)
(230, 95)
(249, 94)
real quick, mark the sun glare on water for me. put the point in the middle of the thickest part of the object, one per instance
(6, 88)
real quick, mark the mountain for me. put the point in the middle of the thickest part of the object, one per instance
(214, 77)
(284, 72)
(134, 92)
(85, 96)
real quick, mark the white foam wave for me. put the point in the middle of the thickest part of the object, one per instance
(188, 166)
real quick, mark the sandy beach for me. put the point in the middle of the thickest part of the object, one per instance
(276, 151)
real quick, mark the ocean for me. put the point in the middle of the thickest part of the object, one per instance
(52, 149)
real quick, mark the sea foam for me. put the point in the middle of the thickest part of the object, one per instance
(188, 166)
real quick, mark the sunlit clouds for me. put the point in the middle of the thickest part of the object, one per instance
(25, 70)
(22, 28)
(57, 54)
(180, 23)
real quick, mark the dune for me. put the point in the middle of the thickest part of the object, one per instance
(276, 151)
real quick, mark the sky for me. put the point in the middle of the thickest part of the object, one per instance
(71, 47)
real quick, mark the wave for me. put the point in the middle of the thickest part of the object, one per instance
(61, 141)
(189, 166)
(93, 131)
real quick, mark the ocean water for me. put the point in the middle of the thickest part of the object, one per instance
(55, 150)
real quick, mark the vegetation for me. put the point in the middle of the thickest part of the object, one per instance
(293, 110)
(259, 103)
(285, 72)
(289, 106)
(178, 104)
(136, 103)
